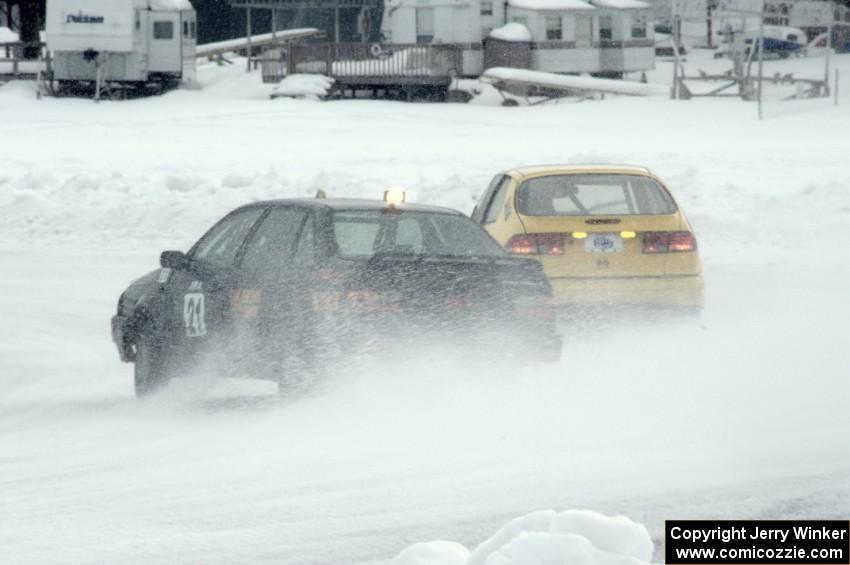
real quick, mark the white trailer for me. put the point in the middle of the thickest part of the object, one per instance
(122, 41)
(437, 22)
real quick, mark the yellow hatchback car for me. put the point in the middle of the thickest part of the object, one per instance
(606, 234)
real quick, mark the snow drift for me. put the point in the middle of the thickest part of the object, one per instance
(572, 537)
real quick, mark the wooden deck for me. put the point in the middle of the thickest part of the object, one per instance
(376, 67)
(14, 67)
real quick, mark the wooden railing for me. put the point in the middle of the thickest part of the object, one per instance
(12, 62)
(373, 64)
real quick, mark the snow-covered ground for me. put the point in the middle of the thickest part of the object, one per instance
(742, 413)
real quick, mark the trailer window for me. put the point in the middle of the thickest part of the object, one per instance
(639, 26)
(163, 30)
(606, 28)
(185, 29)
(553, 28)
(194, 29)
(424, 25)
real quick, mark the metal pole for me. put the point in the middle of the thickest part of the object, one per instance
(674, 92)
(274, 23)
(761, 58)
(248, 35)
(336, 25)
(708, 25)
(826, 74)
(835, 89)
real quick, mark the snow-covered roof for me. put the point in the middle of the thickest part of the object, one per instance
(170, 5)
(620, 3)
(550, 4)
(511, 32)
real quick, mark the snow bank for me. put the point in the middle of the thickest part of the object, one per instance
(170, 5)
(551, 4)
(511, 32)
(433, 553)
(621, 4)
(7, 35)
(572, 537)
(552, 80)
(303, 86)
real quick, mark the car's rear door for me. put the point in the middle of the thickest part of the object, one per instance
(199, 296)
(270, 296)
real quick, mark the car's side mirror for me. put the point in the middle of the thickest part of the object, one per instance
(176, 260)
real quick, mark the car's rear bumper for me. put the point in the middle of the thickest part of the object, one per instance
(674, 291)
(535, 338)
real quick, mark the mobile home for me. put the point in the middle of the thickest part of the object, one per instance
(561, 33)
(626, 36)
(126, 41)
(436, 22)
(565, 36)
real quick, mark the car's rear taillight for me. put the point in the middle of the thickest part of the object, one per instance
(668, 241)
(370, 301)
(536, 244)
(328, 275)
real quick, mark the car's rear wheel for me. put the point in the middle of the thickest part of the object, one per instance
(305, 365)
(151, 368)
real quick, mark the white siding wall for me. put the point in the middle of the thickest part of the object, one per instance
(473, 62)
(403, 25)
(617, 17)
(491, 22)
(565, 60)
(568, 25)
(462, 25)
(453, 23)
(639, 59)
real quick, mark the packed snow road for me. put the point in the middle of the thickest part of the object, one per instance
(740, 413)
(653, 421)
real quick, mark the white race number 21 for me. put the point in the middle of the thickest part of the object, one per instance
(193, 314)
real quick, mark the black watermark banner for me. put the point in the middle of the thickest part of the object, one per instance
(757, 542)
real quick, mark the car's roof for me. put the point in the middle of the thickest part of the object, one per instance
(354, 204)
(585, 168)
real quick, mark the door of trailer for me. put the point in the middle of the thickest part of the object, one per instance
(165, 42)
(189, 29)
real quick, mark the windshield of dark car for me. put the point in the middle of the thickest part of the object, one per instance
(593, 195)
(367, 233)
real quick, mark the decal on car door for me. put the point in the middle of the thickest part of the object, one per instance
(193, 314)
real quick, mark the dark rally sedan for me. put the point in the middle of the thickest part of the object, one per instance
(286, 289)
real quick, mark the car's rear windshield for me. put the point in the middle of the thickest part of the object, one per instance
(368, 233)
(593, 195)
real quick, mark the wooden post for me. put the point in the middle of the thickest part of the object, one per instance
(336, 25)
(708, 24)
(248, 35)
(274, 23)
(761, 58)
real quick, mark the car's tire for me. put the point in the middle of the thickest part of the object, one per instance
(151, 368)
(306, 364)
